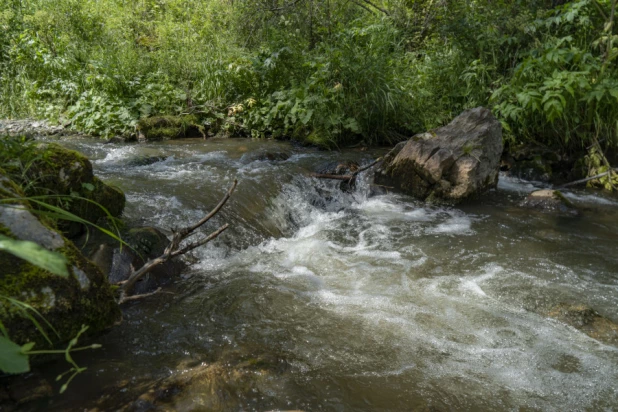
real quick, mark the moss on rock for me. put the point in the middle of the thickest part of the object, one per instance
(170, 127)
(52, 170)
(84, 298)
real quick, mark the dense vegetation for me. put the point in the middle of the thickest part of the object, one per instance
(329, 72)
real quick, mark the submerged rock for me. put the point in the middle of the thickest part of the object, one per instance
(451, 163)
(145, 160)
(549, 201)
(218, 386)
(271, 156)
(587, 320)
(84, 298)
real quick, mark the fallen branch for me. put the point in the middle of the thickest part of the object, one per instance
(577, 182)
(333, 177)
(347, 178)
(142, 296)
(174, 249)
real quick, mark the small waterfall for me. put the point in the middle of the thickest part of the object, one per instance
(375, 302)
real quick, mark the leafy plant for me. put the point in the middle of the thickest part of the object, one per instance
(15, 359)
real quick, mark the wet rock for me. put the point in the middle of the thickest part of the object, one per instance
(451, 163)
(343, 167)
(28, 388)
(169, 127)
(119, 262)
(549, 201)
(213, 386)
(84, 298)
(271, 156)
(145, 160)
(587, 320)
(377, 190)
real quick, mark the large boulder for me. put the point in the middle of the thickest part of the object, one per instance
(84, 298)
(451, 163)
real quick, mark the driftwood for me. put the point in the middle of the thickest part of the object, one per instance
(174, 249)
(577, 182)
(347, 178)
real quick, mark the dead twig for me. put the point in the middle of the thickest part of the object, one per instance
(143, 296)
(174, 249)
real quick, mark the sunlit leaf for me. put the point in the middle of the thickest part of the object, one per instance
(31, 252)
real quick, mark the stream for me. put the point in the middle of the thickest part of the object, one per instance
(356, 302)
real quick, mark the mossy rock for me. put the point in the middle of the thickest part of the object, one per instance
(109, 201)
(84, 298)
(170, 127)
(56, 171)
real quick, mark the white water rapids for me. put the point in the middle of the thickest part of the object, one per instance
(376, 302)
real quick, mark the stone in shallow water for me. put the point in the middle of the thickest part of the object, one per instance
(145, 160)
(549, 201)
(196, 385)
(587, 320)
(270, 156)
(343, 167)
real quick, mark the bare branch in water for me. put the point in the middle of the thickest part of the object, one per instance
(174, 249)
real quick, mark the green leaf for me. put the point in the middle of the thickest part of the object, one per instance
(12, 359)
(88, 186)
(27, 347)
(31, 252)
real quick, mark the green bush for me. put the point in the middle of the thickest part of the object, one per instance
(331, 72)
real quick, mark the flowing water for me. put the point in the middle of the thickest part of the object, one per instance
(365, 302)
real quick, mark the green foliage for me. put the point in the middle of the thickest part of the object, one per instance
(13, 358)
(565, 89)
(329, 72)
